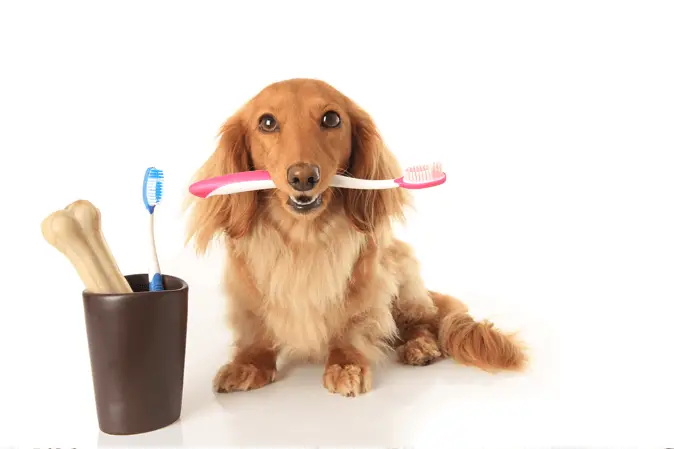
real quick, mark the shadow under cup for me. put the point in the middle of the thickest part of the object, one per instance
(137, 353)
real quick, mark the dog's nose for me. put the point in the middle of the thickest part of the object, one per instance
(303, 177)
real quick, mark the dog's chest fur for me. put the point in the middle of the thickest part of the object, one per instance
(303, 277)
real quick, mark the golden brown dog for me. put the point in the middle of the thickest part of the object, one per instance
(314, 271)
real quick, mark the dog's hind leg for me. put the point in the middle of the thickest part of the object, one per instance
(413, 309)
(432, 325)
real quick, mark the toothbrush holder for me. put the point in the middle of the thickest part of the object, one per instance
(137, 354)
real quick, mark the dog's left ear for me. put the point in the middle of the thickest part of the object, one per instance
(228, 214)
(371, 159)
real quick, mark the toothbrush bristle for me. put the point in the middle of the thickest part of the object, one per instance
(154, 186)
(419, 174)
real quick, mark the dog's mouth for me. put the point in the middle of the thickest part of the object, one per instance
(303, 204)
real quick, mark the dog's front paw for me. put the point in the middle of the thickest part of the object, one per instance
(241, 377)
(420, 351)
(347, 380)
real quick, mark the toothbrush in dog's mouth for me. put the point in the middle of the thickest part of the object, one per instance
(416, 177)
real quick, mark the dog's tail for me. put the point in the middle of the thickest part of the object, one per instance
(475, 343)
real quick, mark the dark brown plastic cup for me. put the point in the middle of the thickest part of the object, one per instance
(137, 352)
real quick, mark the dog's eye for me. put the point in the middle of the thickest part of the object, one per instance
(331, 119)
(268, 123)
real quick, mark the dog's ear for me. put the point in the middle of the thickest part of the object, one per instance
(229, 214)
(371, 159)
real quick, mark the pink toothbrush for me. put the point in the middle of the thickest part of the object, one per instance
(416, 177)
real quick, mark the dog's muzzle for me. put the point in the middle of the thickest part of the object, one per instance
(304, 203)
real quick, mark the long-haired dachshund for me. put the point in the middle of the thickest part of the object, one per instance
(313, 271)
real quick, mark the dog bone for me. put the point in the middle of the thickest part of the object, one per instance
(89, 218)
(63, 232)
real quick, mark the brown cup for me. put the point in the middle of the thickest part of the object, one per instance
(137, 353)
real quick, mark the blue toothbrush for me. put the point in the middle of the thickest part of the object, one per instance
(153, 186)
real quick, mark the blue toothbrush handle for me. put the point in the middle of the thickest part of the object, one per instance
(156, 284)
(154, 271)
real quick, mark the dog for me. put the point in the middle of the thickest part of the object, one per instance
(314, 272)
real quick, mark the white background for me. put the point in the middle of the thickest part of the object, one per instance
(554, 120)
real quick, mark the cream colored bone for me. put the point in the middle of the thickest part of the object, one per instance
(89, 218)
(63, 231)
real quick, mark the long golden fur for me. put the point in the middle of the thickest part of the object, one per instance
(333, 284)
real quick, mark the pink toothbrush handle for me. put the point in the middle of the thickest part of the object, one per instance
(204, 188)
(260, 179)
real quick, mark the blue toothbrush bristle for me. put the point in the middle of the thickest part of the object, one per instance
(153, 188)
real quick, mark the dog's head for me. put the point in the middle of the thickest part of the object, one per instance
(302, 132)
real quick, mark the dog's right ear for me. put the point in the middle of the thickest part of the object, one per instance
(371, 159)
(229, 214)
